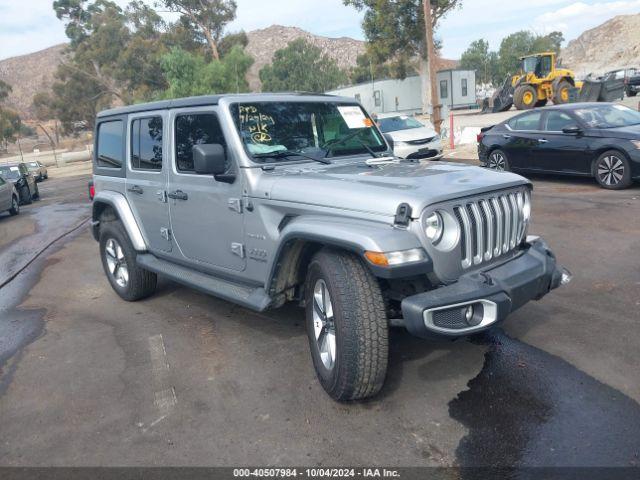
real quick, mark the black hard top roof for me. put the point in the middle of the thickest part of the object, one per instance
(207, 100)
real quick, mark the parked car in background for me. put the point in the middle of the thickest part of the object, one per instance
(23, 180)
(410, 138)
(632, 82)
(9, 200)
(38, 170)
(600, 140)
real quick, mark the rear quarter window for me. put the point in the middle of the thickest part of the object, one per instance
(110, 141)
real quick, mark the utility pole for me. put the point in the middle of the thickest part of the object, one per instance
(436, 116)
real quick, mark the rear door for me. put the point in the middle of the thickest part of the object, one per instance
(146, 182)
(521, 136)
(561, 152)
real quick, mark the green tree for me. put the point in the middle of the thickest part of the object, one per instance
(303, 67)
(190, 74)
(367, 69)
(231, 40)
(10, 126)
(395, 32)
(208, 17)
(5, 90)
(478, 57)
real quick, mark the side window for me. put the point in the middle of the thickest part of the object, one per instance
(465, 88)
(377, 98)
(528, 121)
(23, 169)
(556, 121)
(110, 144)
(146, 143)
(358, 98)
(2, 182)
(195, 129)
(444, 89)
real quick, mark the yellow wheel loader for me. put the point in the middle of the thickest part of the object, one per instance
(540, 80)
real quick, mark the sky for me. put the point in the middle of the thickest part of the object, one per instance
(30, 25)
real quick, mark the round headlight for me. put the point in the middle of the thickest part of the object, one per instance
(434, 227)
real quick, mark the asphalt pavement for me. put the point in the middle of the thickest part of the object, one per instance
(186, 379)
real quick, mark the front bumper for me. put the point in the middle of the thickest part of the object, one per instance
(488, 297)
(432, 150)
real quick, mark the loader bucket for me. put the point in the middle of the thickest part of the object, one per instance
(503, 97)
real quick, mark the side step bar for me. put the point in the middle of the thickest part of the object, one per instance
(253, 298)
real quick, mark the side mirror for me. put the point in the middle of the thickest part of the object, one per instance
(211, 159)
(572, 130)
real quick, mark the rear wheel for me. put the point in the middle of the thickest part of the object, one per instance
(36, 195)
(498, 161)
(128, 280)
(561, 92)
(525, 97)
(612, 170)
(15, 206)
(631, 93)
(347, 326)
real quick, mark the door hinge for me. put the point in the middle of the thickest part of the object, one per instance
(237, 249)
(165, 233)
(235, 204)
(162, 195)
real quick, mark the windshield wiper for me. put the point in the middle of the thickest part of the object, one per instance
(291, 153)
(328, 146)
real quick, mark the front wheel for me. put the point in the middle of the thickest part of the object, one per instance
(130, 281)
(15, 206)
(347, 326)
(612, 171)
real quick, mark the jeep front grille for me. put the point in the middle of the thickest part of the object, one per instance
(490, 227)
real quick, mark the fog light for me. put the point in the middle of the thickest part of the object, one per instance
(468, 314)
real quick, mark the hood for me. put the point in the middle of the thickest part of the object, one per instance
(412, 134)
(381, 188)
(628, 133)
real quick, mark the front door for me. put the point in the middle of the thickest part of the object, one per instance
(561, 152)
(206, 214)
(147, 177)
(5, 195)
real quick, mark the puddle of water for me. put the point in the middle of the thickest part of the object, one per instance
(527, 407)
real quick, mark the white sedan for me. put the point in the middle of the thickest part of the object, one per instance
(411, 138)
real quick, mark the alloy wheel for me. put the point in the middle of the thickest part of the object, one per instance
(611, 170)
(497, 162)
(116, 262)
(15, 205)
(324, 325)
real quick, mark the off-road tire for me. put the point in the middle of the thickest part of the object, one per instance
(361, 326)
(25, 195)
(624, 182)
(36, 195)
(142, 283)
(518, 97)
(15, 206)
(557, 92)
(541, 103)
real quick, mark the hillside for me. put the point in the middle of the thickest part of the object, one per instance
(28, 75)
(612, 45)
(32, 73)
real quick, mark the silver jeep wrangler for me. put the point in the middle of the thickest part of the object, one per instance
(273, 198)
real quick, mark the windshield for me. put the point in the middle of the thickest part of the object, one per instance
(529, 64)
(33, 165)
(393, 124)
(312, 128)
(9, 172)
(608, 116)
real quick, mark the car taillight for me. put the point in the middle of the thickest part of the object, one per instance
(480, 136)
(92, 191)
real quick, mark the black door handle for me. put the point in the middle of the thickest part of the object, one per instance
(136, 189)
(178, 195)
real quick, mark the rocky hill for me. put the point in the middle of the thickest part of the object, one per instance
(28, 75)
(32, 73)
(612, 45)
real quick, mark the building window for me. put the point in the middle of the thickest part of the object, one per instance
(465, 89)
(444, 89)
(358, 99)
(377, 98)
(110, 144)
